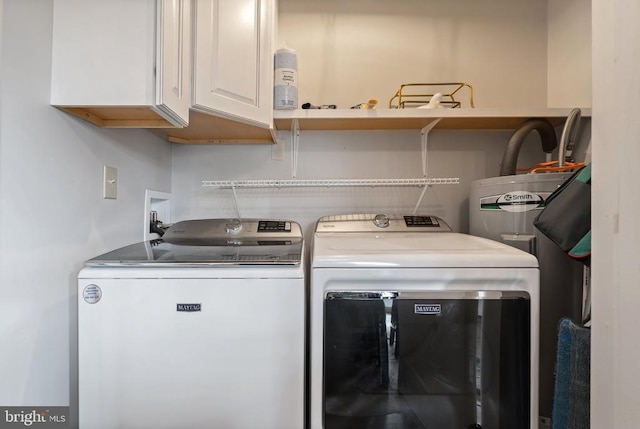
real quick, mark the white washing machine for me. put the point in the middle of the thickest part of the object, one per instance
(414, 326)
(204, 328)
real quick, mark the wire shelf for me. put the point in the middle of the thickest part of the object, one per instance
(327, 183)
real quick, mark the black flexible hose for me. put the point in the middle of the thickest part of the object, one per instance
(547, 138)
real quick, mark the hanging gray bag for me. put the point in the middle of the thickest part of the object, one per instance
(566, 218)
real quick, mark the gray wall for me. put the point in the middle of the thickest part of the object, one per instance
(52, 215)
(349, 52)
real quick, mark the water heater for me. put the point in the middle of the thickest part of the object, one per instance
(503, 209)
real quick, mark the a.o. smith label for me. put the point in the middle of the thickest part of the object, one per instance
(427, 308)
(515, 201)
(189, 308)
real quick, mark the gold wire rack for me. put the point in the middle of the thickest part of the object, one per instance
(418, 94)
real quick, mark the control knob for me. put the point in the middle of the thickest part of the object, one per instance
(381, 221)
(234, 225)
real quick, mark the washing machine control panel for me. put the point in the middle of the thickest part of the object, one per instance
(208, 242)
(274, 226)
(421, 221)
(381, 222)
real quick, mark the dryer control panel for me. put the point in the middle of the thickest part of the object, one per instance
(381, 222)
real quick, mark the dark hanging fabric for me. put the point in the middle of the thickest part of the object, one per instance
(566, 218)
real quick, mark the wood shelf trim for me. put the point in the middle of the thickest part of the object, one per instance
(205, 128)
(203, 141)
(209, 129)
(118, 117)
(396, 119)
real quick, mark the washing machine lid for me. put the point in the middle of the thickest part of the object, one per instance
(214, 242)
(412, 248)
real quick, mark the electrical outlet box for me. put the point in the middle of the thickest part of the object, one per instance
(109, 183)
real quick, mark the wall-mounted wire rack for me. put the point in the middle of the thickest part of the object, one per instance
(333, 183)
(424, 182)
(328, 183)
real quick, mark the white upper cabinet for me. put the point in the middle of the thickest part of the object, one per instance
(233, 59)
(123, 63)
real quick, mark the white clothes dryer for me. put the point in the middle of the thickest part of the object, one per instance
(415, 326)
(204, 328)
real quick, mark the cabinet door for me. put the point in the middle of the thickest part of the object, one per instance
(122, 63)
(173, 83)
(233, 59)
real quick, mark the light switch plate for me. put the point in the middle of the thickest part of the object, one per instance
(110, 183)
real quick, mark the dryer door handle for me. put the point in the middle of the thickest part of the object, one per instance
(427, 294)
(356, 295)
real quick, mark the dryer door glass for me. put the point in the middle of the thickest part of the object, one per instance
(434, 360)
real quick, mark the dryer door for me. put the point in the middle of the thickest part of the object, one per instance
(436, 360)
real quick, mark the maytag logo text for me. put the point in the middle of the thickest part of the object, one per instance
(427, 309)
(188, 307)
